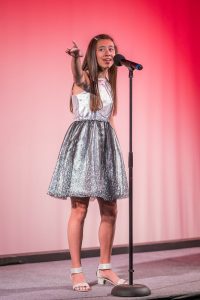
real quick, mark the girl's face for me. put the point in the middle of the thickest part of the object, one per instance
(105, 51)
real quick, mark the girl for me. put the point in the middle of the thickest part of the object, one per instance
(90, 164)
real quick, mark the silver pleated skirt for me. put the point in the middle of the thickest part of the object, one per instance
(89, 163)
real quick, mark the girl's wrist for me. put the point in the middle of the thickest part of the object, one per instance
(76, 56)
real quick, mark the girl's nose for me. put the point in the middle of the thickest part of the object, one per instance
(107, 51)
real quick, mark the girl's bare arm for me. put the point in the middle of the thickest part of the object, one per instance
(78, 74)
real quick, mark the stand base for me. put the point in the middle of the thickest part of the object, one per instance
(125, 290)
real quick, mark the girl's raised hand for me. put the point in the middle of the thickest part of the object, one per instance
(74, 51)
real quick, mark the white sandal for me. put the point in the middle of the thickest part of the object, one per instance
(102, 280)
(83, 284)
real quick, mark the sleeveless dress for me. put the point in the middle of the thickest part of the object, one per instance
(90, 162)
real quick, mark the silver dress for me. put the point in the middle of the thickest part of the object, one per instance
(90, 162)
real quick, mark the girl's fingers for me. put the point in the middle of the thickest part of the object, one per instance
(74, 50)
(71, 50)
(75, 45)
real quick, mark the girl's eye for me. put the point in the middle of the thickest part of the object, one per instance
(101, 49)
(104, 49)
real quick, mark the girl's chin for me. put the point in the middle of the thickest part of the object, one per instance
(106, 67)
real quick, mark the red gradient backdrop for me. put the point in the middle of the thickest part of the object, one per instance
(35, 85)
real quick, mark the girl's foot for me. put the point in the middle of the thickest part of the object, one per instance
(78, 280)
(105, 274)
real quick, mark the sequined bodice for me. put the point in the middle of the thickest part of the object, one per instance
(81, 103)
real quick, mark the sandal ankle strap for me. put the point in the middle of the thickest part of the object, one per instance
(105, 266)
(76, 270)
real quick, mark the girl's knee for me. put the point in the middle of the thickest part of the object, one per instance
(108, 211)
(79, 208)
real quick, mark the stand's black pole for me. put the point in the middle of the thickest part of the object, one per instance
(130, 166)
(131, 290)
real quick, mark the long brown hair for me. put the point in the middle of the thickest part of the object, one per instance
(92, 68)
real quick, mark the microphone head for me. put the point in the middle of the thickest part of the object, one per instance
(117, 59)
(139, 67)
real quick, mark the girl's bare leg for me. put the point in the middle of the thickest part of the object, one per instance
(79, 208)
(108, 211)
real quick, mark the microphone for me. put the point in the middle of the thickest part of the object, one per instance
(120, 60)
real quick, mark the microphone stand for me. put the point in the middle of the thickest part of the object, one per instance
(130, 290)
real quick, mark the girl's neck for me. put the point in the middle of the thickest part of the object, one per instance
(103, 74)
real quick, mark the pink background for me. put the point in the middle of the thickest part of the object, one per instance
(35, 87)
